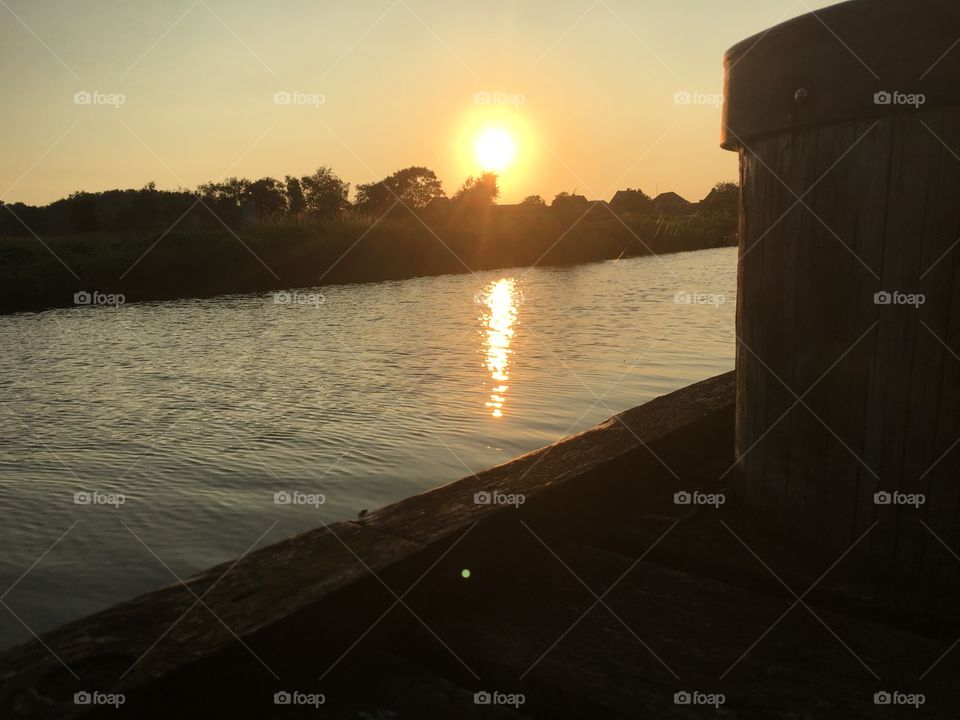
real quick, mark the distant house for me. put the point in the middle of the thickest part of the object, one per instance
(630, 201)
(724, 198)
(712, 198)
(599, 210)
(508, 210)
(669, 203)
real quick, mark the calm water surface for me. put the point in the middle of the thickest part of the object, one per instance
(199, 411)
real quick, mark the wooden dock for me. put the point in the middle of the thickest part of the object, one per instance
(599, 596)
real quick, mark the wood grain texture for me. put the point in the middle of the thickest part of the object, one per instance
(879, 383)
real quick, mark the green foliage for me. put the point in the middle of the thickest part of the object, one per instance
(324, 193)
(413, 187)
(269, 197)
(478, 192)
(296, 203)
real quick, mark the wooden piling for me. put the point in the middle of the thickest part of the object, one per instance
(847, 122)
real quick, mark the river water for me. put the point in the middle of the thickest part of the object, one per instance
(146, 441)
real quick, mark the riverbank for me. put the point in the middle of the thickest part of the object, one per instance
(38, 273)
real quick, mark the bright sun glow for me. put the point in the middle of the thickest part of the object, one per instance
(495, 149)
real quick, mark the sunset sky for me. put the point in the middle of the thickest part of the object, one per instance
(585, 91)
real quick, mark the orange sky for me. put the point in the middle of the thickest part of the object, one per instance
(595, 95)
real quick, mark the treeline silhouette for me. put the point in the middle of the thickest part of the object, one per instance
(239, 235)
(236, 202)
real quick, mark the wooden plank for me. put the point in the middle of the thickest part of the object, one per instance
(874, 192)
(800, 360)
(146, 638)
(763, 231)
(389, 685)
(843, 590)
(698, 627)
(937, 371)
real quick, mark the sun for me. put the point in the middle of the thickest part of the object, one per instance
(495, 149)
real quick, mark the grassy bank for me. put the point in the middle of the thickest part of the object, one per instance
(293, 254)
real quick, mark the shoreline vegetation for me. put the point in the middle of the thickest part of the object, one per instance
(269, 235)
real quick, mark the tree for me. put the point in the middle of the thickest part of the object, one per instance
(533, 201)
(324, 193)
(478, 192)
(229, 192)
(296, 203)
(414, 187)
(268, 196)
(374, 198)
(224, 199)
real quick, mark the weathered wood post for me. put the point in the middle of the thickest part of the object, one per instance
(847, 122)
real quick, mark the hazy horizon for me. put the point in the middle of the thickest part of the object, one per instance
(371, 89)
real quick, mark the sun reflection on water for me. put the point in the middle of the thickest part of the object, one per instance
(500, 300)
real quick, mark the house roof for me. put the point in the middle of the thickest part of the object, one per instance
(669, 198)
